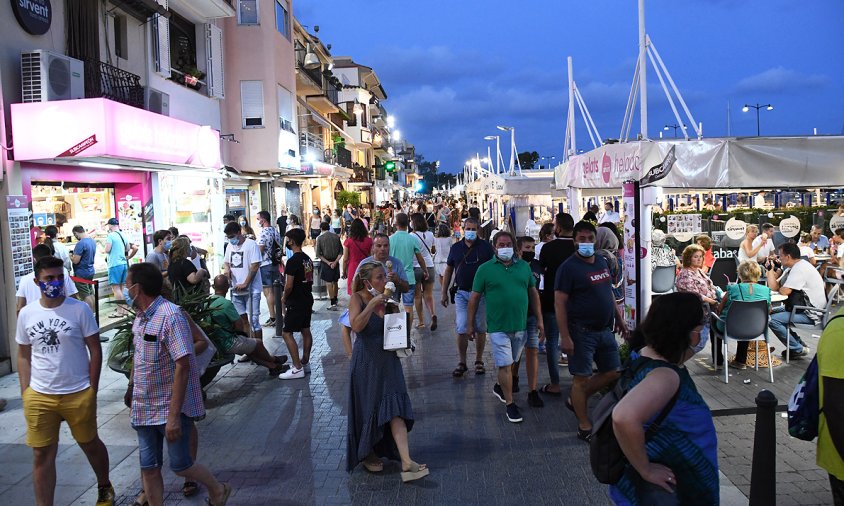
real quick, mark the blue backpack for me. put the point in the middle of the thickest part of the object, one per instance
(804, 405)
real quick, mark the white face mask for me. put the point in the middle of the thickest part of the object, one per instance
(505, 254)
(372, 291)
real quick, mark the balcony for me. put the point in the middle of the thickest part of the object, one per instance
(325, 102)
(311, 147)
(308, 81)
(107, 81)
(361, 175)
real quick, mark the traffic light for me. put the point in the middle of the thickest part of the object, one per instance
(390, 166)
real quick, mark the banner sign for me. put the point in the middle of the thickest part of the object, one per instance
(658, 172)
(18, 206)
(630, 255)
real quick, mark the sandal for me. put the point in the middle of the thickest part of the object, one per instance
(420, 325)
(227, 491)
(415, 472)
(190, 489)
(461, 368)
(433, 323)
(373, 465)
(584, 435)
(545, 390)
(479, 367)
(141, 500)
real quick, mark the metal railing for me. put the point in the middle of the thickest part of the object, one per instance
(314, 74)
(107, 81)
(312, 143)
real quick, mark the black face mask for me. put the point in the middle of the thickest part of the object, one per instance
(528, 256)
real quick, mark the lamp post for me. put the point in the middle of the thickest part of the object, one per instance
(512, 131)
(497, 140)
(747, 107)
(675, 127)
(549, 158)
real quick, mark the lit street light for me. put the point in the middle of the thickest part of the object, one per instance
(549, 158)
(747, 107)
(675, 127)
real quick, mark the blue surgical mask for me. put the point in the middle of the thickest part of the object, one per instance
(704, 338)
(52, 289)
(234, 241)
(505, 254)
(130, 301)
(471, 235)
(586, 249)
(167, 245)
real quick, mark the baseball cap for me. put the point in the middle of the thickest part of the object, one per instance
(112, 221)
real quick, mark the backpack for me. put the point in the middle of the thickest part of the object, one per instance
(605, 455)
(804, 405)
(276, 252)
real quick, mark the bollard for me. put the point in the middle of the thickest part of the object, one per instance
(278, 289)
(763, 484)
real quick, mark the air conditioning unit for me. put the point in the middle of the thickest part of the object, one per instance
(47, 76)
(156, 101)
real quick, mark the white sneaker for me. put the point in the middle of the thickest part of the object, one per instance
(292, 373)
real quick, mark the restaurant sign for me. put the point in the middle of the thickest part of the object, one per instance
(34, 16)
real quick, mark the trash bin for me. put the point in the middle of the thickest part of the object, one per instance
(318, 290)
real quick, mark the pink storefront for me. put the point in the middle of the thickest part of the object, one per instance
(85, 161)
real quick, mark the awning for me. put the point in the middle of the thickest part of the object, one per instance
(324, 122)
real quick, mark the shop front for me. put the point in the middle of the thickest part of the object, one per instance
(319, 184)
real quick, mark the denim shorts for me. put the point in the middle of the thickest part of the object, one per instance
(507, 346)
(590, 345)
(151, 446)
(407, 297)
(532, 339)
(241, 303)
(269, 274)
(461, 301)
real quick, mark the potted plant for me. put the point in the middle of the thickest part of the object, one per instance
(197, 305)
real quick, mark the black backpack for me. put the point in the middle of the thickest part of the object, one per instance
(605, 455)
(276, 252)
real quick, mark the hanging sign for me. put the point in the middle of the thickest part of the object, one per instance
(790, 226)
(734, 229)
(34, 16)
(18, 206)
(658, 172)
(836, 222)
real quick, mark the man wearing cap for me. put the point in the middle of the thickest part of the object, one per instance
(119, 251)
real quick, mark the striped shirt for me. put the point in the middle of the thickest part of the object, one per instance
(161, 336)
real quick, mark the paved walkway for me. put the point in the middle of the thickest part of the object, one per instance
(284, 442)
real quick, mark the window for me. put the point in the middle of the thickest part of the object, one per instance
(121, 49)
(282, 19)
(285, 109)
(183, 45)
(247, 12)
(252, 103)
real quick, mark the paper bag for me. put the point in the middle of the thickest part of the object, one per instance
(396, 331)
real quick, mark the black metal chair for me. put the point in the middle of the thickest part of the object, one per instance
(723, 272)
(662, 280)
(746, 321)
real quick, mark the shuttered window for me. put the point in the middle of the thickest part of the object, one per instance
(285, 109)
(252, 103)
(247, 12)
(214, 61)
(161, 42)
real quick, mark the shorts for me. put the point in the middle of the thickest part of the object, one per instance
(417, 273)
(507, 347)
(151, 446)
(117, 274)
(297, 316)
(532, 331)
(336, 231)
(315, 233)
(269, 274)
(461, 301)
(44, 414)
(590, 345)
(242, 345)
(241, 302)
(408, 296)
(328, 274)
(84, 289)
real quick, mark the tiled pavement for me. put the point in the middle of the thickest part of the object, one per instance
(283, 443)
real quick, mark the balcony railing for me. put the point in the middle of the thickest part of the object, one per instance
(311, 144)
(107, 81)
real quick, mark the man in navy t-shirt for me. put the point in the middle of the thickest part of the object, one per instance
(83, 265)
(585, 307)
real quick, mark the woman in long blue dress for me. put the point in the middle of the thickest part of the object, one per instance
(380, 413)
(679, 462)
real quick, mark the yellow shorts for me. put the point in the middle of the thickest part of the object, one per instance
(44, 414)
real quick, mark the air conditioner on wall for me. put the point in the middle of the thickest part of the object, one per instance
(47, 76)
(156, 101)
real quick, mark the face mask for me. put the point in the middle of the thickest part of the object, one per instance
(167, 245)
(471, 235)
(52, 289)
(704, 338)
(505, 254)
(528, 256)
(130, 301)
(586, 249)
(234, 241)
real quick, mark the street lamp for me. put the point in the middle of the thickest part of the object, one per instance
(391, 121)
(747, 107)
(512, 131)
(675, 127)
(549, 158)
(497, 140)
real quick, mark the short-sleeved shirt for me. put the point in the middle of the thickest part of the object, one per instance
(62, 253)
(552, 255)
(404, 247)
(27, 289)
(85, 250)
(265, 239)
(59, 354)
(178, 273)
(301, 268)
(766, 250)
(464, 275)
(589, 286)
(425, 240)
(157, 259)
(802, 276)
(161, 336)
(328, 246)
(240, 259)
(119, 244)
(505, 288)
(224, 315)
(831, 365)
(398, 269)
(823, 243)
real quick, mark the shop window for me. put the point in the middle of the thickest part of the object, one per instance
(247, 12)
(252, 103)
(282, 18)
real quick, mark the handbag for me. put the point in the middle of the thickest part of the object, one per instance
(396, 331)
(452, 290)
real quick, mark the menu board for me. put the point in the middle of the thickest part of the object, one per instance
(684, 226)
(18, 206)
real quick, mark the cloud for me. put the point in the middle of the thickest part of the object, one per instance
(780, 79)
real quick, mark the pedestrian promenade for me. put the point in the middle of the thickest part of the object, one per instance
(284, 442)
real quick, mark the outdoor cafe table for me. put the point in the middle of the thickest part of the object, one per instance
(777, 297)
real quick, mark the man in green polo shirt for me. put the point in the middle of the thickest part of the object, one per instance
(506, 282)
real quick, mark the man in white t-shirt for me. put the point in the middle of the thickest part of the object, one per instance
(800, 275)
(58, 380)
(28, 291)
(242, 266)
(768, 248)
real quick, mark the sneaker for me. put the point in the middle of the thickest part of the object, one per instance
(498, 392)
(515, 384)
(738, 365)
(105, 495)
(269, 323)
(564, 360)
(797, 354)
(534, 400)
(292, 374)
(513, 413)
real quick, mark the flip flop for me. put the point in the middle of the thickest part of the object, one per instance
(415, 472)
(461, 369)
(545, 391)
(433, 323)
(479, 367)
(227, 491)
(190, 488)
(584, 435)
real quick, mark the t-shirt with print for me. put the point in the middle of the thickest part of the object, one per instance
(404, 247)
(802, 276)
(265, 239)
(27, 289)
(85, 249)
(119, 245)
(301, 269)
(240, 258)
(589, 287)
(59, 354)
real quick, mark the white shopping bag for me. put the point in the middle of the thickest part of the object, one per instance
(204, 358)
(396, 332)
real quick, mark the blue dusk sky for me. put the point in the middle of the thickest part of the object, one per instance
(454, 69)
